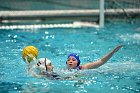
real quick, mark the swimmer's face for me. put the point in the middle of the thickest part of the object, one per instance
(49, 67)
(72, 62)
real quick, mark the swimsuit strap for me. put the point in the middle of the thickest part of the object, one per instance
(78, 68)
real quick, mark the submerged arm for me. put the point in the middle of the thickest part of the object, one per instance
(101, 61)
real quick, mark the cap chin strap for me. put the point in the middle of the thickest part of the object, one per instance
(45, 64)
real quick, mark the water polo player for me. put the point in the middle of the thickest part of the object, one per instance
(73, 61)
(44, 68)
(44, 65)
(39, 68)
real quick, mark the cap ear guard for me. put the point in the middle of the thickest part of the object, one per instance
(78, 63)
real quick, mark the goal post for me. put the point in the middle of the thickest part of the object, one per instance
(101, 14)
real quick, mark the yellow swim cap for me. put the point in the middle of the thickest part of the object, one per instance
(29, 50)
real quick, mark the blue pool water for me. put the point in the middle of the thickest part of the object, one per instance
(120, 75)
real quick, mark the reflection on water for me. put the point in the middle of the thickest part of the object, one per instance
(120, 75)
(6, 87)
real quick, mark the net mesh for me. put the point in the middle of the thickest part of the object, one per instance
(125, 9)
(128, 10)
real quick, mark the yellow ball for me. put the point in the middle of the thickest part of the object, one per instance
(29, 50)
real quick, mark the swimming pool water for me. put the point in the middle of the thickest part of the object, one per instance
(120, 75)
